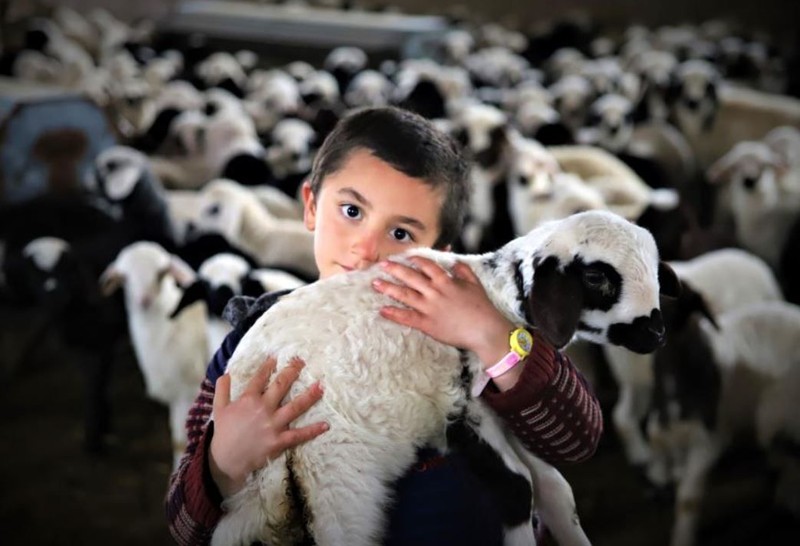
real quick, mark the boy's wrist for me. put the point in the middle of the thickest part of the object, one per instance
(227, 482)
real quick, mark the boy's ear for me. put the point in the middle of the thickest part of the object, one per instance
(309, 206)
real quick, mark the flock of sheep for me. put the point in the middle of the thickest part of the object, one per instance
(684, 130)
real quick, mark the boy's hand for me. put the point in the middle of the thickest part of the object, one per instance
(254, 429)
(453, 309)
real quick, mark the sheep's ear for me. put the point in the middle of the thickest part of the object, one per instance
(193, 293)
(181, 271)
(668, 282)
(555, 302)
(720, 170)
(111, 280)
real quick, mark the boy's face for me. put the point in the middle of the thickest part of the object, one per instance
(367, 211)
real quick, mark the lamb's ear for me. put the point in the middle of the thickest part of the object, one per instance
(181, 271)
(111, 280)
(193, 293)
(555, 302)
(668, 282)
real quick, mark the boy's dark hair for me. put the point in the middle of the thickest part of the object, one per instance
(412, 145)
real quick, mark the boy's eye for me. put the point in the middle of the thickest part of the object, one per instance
(402, 235)
(351, 211)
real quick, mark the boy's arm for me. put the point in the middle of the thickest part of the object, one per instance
(551, 409)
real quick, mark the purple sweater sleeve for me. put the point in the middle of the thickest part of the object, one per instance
(551, 410)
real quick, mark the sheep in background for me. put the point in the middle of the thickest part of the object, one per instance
(747, 280)
(761, 194)
(57, 278)
(291, 149)
(723, 379)
(234, 212)
(172, 354)
(589, 256)
(271, 96)
(222, 277)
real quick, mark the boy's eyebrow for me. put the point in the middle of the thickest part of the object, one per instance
(365, 202)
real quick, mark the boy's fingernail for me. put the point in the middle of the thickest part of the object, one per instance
(384, 263)
(377, 283)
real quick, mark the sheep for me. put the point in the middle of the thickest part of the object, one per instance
(747, 280)
(222, 277)
(726, 378)
(290, 153)
(225, 144)
(344, 63)
(417, 385)
(172, 354)
(58, 279)
(761, 194)
(234, 212)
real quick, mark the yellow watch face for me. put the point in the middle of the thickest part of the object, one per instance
(521, 342)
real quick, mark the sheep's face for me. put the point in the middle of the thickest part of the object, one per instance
(482, 129)
(695, 96)
(369, 88)
(597, 276)
(48, 271)
(143, 268)
(116, 173)
(751, 171)
(611, 119)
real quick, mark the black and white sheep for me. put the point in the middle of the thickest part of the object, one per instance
(222, 277)
(747, 280)
(724, 379)
(593, 275)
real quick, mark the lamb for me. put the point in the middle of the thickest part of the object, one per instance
(56, 276)
(728, 376)
(234, 212)
(222, 277)
(747, 280)
(762, 195)
(172, 354)
(593, 275)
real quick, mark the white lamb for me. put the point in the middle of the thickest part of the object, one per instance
(171, 354)
(391, 389)
(236, 213)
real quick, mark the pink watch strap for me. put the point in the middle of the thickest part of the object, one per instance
(506, 363)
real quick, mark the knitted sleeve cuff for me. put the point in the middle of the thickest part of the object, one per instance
(203, 498)
(540, 368)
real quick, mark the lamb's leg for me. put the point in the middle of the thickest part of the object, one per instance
(703, 453)
(555, 504)
(634, 375)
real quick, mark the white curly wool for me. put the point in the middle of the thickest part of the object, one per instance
(390, 389)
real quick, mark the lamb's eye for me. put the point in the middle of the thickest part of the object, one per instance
(112, 165)
(594, 278)
(213, 210)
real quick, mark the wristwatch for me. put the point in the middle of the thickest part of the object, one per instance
(520, 343)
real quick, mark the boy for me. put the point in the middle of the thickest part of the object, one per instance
(385, 180)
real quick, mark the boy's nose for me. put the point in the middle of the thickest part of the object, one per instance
(367, 248)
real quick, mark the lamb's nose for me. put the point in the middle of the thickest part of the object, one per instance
(656, 324)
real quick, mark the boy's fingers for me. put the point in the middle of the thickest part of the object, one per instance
(431, 269)
(299, 404)
(465, 272)
(222, 392)
(282, 383)
(296, 436)
(409, 276)
(257, 382)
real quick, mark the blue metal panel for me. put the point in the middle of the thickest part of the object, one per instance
(24, 176)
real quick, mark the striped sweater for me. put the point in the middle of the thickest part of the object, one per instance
(551, 410)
